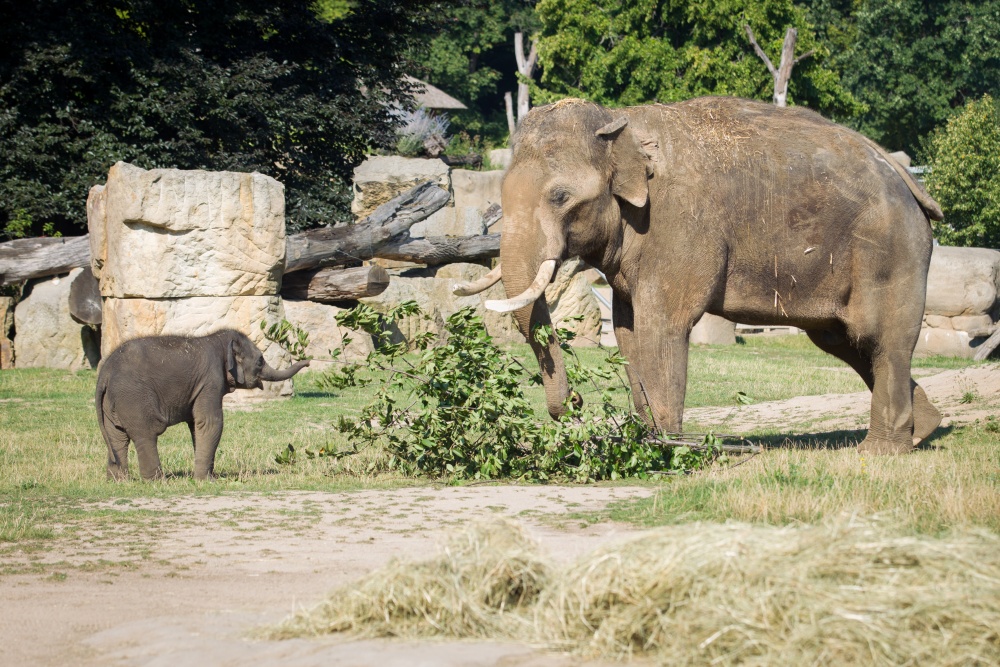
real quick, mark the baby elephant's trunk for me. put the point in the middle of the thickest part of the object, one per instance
(271, 375)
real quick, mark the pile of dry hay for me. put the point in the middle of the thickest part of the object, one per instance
(730, 594)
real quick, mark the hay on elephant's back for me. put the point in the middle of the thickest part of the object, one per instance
(730, 594)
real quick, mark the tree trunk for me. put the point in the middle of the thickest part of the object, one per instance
(442, 249)
(332, 285)
(783, 73)
(39, 257)
(526, 69)
(509, 104)
(343, 245)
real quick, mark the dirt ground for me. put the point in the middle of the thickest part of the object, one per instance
(188, 581)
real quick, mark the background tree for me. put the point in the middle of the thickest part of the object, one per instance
(471, 58)
(965, 176)
(911, 62)
(622, 53)
(248, 85)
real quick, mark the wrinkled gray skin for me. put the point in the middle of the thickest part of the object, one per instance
(148, 384)
(758, 214)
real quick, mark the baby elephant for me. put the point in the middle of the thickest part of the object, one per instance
(148, 384)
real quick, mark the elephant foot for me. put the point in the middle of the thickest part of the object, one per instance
(117, 474)
(926, 417)
(876, 445)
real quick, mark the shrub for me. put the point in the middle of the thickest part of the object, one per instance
(965, 176)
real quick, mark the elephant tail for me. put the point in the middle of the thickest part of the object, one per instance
(102, 389)
(931, 207)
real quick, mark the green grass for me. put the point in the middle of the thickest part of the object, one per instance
(52, 457)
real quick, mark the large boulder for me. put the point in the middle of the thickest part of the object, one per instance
(475, 191)
(431, 288)
(713, 330)
(6, 329)
(325, 334)
(167, 233)
(46, 334)
(125, 319)
(963, 281)
(383, 177)
(188, 253)
(962, 301)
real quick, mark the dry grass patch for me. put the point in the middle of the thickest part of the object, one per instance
(847, 593)
(929, 491)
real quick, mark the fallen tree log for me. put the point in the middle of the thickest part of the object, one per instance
(332, 285)
(442, 249)
(989, 345)
(342, 245)
(22, 259)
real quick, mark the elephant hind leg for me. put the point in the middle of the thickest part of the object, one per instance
(149, 456)
(117, 441)
(901, 415)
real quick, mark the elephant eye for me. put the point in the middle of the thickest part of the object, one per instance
(558, 197)
(260, 362)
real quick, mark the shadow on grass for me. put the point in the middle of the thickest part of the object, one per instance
(843, 439)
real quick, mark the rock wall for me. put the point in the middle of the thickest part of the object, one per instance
(380, 178)
(325, 335)
(46, 335)
(962, 301)
(190, 252)
(6, 332)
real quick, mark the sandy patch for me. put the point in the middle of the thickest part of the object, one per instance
(836, 412)
(186, 586)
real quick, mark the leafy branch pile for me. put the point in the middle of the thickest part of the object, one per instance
(456, 408)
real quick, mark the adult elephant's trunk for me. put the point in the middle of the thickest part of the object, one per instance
(270, 375)
(531, 311)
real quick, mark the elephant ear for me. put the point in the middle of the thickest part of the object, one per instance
(629, 163)
(234, 369)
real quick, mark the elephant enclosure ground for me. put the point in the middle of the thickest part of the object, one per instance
(179, 572)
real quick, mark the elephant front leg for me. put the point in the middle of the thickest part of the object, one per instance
(658, 355)
(207, 433)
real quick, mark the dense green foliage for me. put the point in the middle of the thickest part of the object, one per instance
(238, 85)
(663, 50)
(459, 410)
(965, 176)
(911, 62)
(297, 90)
(472, 58)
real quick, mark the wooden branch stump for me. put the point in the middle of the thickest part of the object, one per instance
(332, 285)
(22, 259)
(442, 249)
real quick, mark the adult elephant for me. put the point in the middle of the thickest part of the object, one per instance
(759, 214)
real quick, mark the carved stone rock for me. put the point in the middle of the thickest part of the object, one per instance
(6, 327)
(713, 330)
(167, 233)
(46, 334)
(963, 281)
(318, 320)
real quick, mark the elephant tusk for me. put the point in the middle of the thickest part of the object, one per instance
(530, 295)
(477, 286)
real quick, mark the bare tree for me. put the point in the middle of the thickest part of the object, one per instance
(788, 60)
(526, 69)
